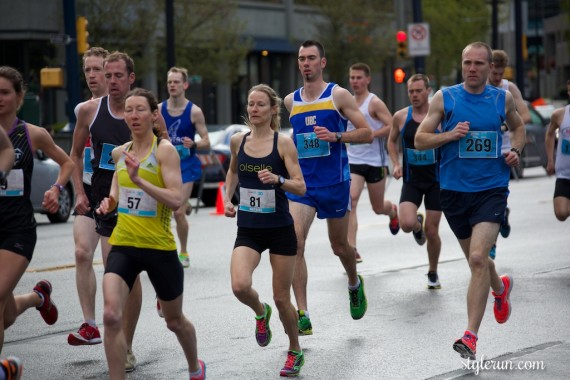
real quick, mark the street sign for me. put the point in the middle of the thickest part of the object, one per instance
(60, 39)
(418, 39)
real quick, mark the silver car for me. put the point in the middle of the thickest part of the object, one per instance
(45, 174)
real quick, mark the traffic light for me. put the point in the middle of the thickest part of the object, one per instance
(399, 75)
(402, 40)
(82, 34)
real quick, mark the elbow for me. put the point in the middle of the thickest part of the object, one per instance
(303, 189)
(370, 136)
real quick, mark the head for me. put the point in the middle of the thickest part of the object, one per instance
(263, 106)
(476, 62)
(93, 60)
(359, 77)
(177, 81)
(119, 74)
(12, 90)
(500, 61)
(418, 90)
(311, 60)
(141, 110)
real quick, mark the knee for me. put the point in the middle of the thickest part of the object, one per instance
(341, 248)
(478, 262)
(9, 314)
(175, 324)
(432, 233)
(241, 288)
(112, 318)
(407, 225)
(561, 216)
(83, 256)
(282, 300)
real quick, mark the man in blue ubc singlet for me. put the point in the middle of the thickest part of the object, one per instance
(474, 177)
(183, 119)
(319, 112)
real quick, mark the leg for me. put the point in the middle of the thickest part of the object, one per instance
(115, 293)
(303, 217)
(185, 332)
(561, 208)
(12, 267)
(379, 205)
(433, 240)
(337, 229)
(283, 269)
(408, 216)
(86, 239)
(180, 217)
(243, 262)
(356, 186)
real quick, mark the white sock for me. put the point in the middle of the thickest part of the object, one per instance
(354, 287)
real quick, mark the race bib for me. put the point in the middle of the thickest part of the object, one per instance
(420, 157)
(479, 145)
(136, 202)
(183, 152)
(87, 167)
(308, 145)
(106, 162)
(14, 185)
(255, 200)
(565, 148)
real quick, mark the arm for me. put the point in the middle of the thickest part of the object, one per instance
(6, 152)
(379, 111)
(231, 176)
(516, 128)
(347, 105)
(426, 138)
(161, 125)
(199, 121)
(110, 203)
(521, 107)
(549, 138)
(169, 162)
(41, 139)
(295, 183)
(393, 151)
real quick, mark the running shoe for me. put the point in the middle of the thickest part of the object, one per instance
(131, 362)
(420, 236)
(505, 226)
(358, 303)
(188, 208)
(202, 375)
(493, 252)
(13, 368)
(262, 330)
(86, 335)
(433, 281)
(502, 307)
(293, 364)
(357, 255)
(466, 346)
(394, 223)
(158, 309)
(47, 310)
(304, 324)
(184, 259)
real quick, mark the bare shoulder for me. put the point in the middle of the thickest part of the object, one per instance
(288, 101)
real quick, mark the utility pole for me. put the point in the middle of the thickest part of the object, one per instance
(170, 49)
(495, 24)
(518, 45)
(419, 62)
(71, 61)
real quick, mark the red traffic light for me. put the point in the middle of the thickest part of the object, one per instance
(399, 75)
(401, 36)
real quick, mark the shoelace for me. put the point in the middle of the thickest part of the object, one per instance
(291, 358)
(261, 326)
(354, 297)
(499, 301)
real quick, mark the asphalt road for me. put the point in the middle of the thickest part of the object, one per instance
(407, 332)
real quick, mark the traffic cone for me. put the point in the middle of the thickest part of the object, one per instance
(220, 200)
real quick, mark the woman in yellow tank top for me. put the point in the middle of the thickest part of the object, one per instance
(145, 189)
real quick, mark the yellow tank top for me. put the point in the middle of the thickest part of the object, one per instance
(143, 221)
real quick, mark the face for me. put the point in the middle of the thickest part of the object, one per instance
(118, 79)
(358, 81)
(176, 84)
(138, 115)
(311, 64)
(418, 93)
(476, 67)
(259, 108)
(496, 76)
(9, 99)
(95, 75)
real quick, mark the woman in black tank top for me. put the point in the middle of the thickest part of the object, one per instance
(265, 165)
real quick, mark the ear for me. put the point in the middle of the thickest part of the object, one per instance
(132, 78)
(186, 85)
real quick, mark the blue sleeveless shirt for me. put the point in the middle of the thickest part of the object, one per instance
(179, 127)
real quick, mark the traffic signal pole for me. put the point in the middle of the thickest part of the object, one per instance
(71, 61)
(419, 62)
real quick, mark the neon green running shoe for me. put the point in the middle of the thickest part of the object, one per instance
(184, 259)
(304, 324)
(293, 364)
(262, 330)
(358, 303)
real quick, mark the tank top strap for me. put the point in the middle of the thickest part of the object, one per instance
(243, 141)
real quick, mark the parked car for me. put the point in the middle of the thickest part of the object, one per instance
(534, 153)
(215, 163)
(45, 174)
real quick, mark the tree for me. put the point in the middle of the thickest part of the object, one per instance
(353, 31)
(453, 25)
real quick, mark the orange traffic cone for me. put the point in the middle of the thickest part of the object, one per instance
(220, 199)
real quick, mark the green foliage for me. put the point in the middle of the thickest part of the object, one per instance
(453, 25)
(353, 31)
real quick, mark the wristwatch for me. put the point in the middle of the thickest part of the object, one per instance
(280, 181)
(338, 136)
(59, 187)
(2, 177)
(518, 152)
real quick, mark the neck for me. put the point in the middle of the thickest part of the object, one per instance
(7, 121)
(421, 110)
(359, 97)
(142, 143)
(99, 94)
(261, 130)
(177, 101)
(311, 90)
(117, 106)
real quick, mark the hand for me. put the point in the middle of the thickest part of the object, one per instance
(324, 134)
(188, 142)
(82, 204)
(267, 178)
(229, 209)
(460, 130)
(511, 159)
(51, 199)
(397, 172)
(132, 163)
(550, 168)
(106, 206)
